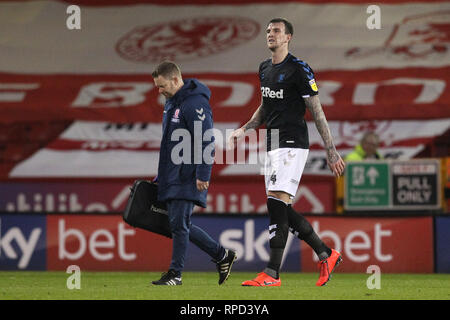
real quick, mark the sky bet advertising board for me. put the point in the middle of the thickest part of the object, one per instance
(107, 243)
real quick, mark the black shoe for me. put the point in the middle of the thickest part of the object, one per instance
(169, 278)
(224, 266)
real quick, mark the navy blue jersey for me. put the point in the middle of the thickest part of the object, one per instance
(284, 87)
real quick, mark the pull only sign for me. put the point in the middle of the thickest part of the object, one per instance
(393, 185)
(417, 187)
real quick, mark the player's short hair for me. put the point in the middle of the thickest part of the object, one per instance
(166, 69)
(288, 28)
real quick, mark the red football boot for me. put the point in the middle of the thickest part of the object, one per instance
(262, 280)
(327, 266)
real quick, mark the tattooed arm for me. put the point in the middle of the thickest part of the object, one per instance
(255, 121)
(334, 160)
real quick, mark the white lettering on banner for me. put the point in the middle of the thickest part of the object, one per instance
(62, 235)
(15, 92)
(351, 245)
(26, 246)
(50, 202)
(378, 235)
(308, 195)
(123, 232)
(62, 202)
(94, 243)
(129, 93)
(218, 202)
(121, 197)
(327, 89)
(125, 94)
(432, 89)
(232, 203)
(232, 239)
(221, 202)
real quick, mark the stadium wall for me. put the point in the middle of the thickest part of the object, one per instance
(401, 243)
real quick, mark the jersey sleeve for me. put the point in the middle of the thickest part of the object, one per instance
(305, 80)
(198, 118)
(261, 72)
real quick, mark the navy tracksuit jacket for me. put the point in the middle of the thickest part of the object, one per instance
(188, 110)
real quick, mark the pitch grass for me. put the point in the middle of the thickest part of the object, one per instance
(203, 286)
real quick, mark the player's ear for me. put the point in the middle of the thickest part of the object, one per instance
(289, 36)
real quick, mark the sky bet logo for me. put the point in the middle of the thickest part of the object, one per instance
(22, 242)
(267, 93)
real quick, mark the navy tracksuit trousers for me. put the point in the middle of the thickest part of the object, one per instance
(183, 231)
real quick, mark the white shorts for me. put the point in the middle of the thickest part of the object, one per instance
(283, 169)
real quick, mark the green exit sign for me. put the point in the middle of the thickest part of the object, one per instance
(367, 185)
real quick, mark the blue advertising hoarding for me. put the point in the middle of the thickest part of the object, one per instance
(248, 236)
(442, 241)
(23, 242)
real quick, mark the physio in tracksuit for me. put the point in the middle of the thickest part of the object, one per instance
(185, 165)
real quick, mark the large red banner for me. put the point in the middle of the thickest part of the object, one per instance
(96, 242)
(407, 93)
(393, 244)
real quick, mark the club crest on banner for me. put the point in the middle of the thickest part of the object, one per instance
(425, 36)
(185, 39)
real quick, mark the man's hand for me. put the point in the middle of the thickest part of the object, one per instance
(236, 134)
(202, 185)
(255, 121)
(335, 163)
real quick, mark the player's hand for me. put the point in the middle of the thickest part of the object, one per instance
(335, 163)
(235, 135)
(202, 185)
